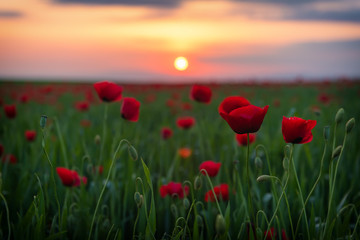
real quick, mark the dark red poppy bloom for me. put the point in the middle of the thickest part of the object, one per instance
(324, 98)
(70, 178)
(211, 167)
(1, 149)
(186, 106)
(24, 98)
(166, 132)
(221, 192)
(82, 106)
(30, 135)
(9, 158)
(185, 122)
(242, 138)
(297, 130)
(271, 234)
(10, 111)
(241, 116)
(174, 189)
(108, 91)
(283, 235)
(130, 109)
(201, 93)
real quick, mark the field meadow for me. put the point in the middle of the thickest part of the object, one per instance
(89, 173)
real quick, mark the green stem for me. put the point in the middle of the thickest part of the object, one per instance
(212, 189)
(7, 215)
(103, 134)
(136, 220)
(62, 144)
(252, 217)
(301, 198)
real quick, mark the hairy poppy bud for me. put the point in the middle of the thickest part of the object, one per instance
(258, 162)
(349, 125)
(197, 183)
(220, 225)
(263, 178)
(339, 116)
(97, 139)
(133, 152)
(286, 163)
(199, 221)
(43, 121)
(326, 133)
(186, 203)
(138, 199)
(336, 151)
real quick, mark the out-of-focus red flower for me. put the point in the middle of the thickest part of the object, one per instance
(324, 98)
(242, 138)
(221, 192)
(185, 152)
(185, 122)
(271, 234)
(150, 98)
(186, 106)
(174, 189)
(100, 169)
(1, 149)
(211, 167)
(241, 116)
(9, 158)
(108, 91)
(130, 109)
(201, 93)
(85, 123)
(24, 98)
(70, 178)
(10, 111)
(166, 132)
(30, 135)
(297, 130)
(283, 235)
(170, 103)
(276, 102)
(82, 106)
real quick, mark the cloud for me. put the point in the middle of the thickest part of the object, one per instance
(10, 14)
(148, 3)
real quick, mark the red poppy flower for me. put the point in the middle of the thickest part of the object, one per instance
(10, 111)
(283, 235)
(130, 109)
(1, 149)
(324, 98)
(186, 106)
(70, 178)
(85, 123)
(174, 189)
(241, 116)
(185, 152)
(221, 192)
(297, 130)
(24, 98)
(212, 168)
(82, 106)
(166, 132)
(9, 158)
(242, 138)
(201, 94)
(108, 91)
(30, 135)
(271, 234)
(185, 122)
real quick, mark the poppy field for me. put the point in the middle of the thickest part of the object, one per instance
(231, 161)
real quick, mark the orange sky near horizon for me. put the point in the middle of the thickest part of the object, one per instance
(137, 42)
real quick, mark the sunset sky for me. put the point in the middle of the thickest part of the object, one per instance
(138, 40)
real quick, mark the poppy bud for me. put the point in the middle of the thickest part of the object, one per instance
(197, 183)
(336, 151)
(339, 116)
(258, 162)
(43, 121)
(133, 152)
(326, 133)
(174, 210)
(349, 125)
(186, 203)
(138, 199)
(220, 225)
(286, 164)
(199, 221)
(97, 139)
(263, 178)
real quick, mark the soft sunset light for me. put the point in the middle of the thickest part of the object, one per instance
(181, 63)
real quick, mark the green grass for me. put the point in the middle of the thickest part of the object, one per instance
(28, 194)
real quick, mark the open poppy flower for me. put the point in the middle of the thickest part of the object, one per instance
(221, 192)
(297, 130)
(130, 109)
(201, 93)
(10, 111)
(30, 135)
(166, 132)
(9, 158)
(212, 168)
(174, 189)
(108, 91)
(82, 106)
(185, 152)
(241, 116)
(70, 178)
(185, 122)
(242, 138)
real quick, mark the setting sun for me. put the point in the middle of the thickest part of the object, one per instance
(181, 63)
